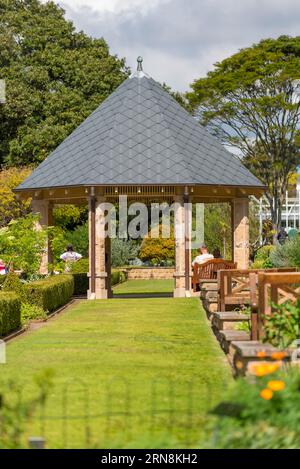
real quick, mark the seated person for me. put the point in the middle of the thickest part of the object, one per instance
(203, 256)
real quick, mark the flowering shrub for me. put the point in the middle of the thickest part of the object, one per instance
(158, 250)
(22, 244)
(262, 411)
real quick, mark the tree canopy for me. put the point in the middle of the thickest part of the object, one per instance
(11, 207)
(55, 77)
(251, 101)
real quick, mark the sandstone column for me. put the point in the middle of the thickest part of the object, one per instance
(98, 272)
(179, 274)
(240, 228)
(188, 245)
(44, 209)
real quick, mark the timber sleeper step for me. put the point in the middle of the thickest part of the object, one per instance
(248, 352)
(226, 337)
(226, 320)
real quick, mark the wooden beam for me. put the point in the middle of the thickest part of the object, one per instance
(92, 228)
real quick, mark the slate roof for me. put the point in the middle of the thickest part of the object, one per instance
(140, 135)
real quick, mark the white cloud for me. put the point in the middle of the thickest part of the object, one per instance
(112, 6)
(180, 40)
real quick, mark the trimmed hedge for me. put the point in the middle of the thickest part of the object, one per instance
(49, 293)
(2, 280)
(79, 271)
(118, 276)
(81, 283)
(10, 313)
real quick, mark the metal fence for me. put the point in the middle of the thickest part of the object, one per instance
(167, 413)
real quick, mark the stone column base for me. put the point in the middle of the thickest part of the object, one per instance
(101, 292)
(99, 295)
(179, 289)
(179, 293)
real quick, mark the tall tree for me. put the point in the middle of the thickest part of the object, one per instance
(251, 101)
(55, 77)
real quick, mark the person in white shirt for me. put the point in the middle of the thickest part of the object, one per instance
(70, 256)
(203, 256)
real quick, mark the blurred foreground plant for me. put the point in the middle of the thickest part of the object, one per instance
(15, 413)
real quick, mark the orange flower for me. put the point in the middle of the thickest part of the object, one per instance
(276, 385)
(264, 368)
(261, 354)
(266, 394)
(278, 355)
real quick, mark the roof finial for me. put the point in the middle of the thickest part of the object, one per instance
(139, 64)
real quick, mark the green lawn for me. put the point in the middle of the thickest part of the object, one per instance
(144, 287)
(128, 373)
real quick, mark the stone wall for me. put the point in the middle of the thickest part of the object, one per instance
(150, 272)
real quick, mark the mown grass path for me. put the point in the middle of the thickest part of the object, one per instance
(128, 373)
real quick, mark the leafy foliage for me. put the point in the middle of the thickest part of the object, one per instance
(55, 77)
(157, 251)
(31, 312)
(251, 101)
(10, 206)
(287, 254)
(81, 266)
(79, 238)
(69, 216)
(217, 228)
(262, 258)
(122, 251)
(13, 283)
(22, 244)
(2, 280)
(282, 327)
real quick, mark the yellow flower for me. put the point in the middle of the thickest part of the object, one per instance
(266, 394)
(261, 354)
(276, 385)
(278, 355)
(264, 368)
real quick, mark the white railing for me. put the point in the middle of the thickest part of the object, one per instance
(290, 211)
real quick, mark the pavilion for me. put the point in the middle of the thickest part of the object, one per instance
(141, 143)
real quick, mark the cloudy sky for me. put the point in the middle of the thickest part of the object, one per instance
(180, 40)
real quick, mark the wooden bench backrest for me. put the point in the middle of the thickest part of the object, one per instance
(209, 269)
(268, 288)
(234, 285)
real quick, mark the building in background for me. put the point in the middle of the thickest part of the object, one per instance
(290, 209)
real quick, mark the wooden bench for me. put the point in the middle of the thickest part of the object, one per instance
(267, 289)
(234, 285)
(209, 269)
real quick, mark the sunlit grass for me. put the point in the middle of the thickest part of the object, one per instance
(144, 287)
(128, 373)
